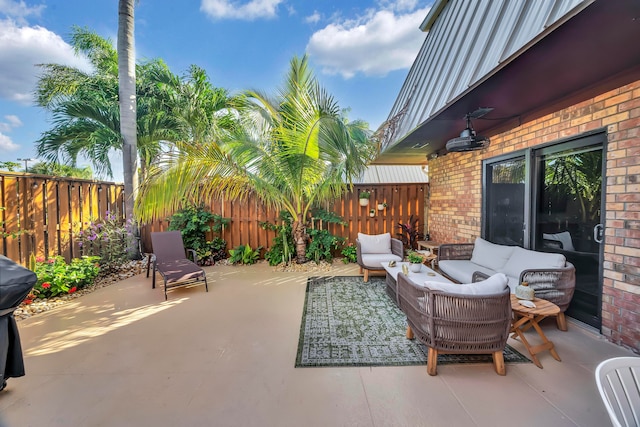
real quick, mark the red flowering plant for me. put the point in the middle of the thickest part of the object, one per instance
(56, 277)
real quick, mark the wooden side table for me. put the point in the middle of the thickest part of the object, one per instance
(525, 318)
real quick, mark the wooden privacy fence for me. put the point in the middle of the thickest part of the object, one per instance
(403, 200)
(42, 214)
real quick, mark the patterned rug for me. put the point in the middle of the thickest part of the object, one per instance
(346, 322)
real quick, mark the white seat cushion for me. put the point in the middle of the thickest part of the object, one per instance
(462, 270)
(490, 255)
(375, 261)
(524, 259)
(375, 243)
(493, 285)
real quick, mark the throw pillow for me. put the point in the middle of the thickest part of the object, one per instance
(524, 259)
(493, 285)
(490, 255)
(375, 243)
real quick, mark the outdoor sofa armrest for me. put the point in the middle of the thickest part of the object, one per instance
(553, 284)
(359, 253)
(397, 248)
(455, 251)
(479, 276)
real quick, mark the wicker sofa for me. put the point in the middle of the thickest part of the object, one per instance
(460, 319)
(550, 275)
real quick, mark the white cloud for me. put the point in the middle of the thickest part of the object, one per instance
(21, 48)
(375, 44)
(19, 10)
(254, 9)
(7, 144)
(11, 122)
(312, 19)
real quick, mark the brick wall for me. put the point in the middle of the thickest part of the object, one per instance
(456, 193)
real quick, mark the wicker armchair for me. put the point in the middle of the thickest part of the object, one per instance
(556, 285)
(453, 323)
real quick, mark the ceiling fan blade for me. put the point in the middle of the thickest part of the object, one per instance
(480, 112)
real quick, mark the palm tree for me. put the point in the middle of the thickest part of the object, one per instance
(127, 96)
(292, 151)
(85, 110)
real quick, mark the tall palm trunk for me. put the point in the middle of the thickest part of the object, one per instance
(127, 95)
(300, 239)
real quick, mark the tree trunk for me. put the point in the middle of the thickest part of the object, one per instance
(127, 97)
(300, 240)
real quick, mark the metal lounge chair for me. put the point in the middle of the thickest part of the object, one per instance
(618, 381)
(171, 262)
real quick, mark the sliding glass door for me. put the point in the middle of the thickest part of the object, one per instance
(550, 200)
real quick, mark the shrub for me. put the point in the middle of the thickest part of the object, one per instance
(56, 277)
(194, 222)
(322, 244)
(243, 254)
(109, 240)
(349, 253)
(409, 232)
(282, 247)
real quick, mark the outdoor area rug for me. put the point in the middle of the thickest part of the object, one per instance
(346, 322)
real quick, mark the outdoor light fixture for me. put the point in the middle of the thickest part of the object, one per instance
(468, 139)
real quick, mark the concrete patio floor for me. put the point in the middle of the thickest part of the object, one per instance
(122, 356)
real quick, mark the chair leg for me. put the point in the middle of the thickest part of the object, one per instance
(498, 363)
(432, 362)
(361, 270)
(366, 275)
(153, 279)
(148, 263)
(410, 334)
(206, 286)
(562, 322)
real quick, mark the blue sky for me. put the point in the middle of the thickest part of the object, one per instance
(360, 50)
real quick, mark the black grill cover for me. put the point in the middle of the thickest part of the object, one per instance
(15, 284)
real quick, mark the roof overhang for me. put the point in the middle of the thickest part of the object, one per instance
(594, 51)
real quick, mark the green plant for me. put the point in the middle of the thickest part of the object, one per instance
(243, 254)
(364, 195)
(194, 222)
(109, 240)
(414, 257)
(322, 244)
(212, 251)
(282, 246)
(409, 232)
(349, 253)
(56, 277)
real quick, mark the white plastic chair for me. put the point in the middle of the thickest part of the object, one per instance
(618, 381)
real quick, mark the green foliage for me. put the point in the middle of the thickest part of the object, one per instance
(327, 216)
(364, 195)
(109, 240)
(243, 254)
(32, 262)
(3, 233)
(9, 166)
(349, 253)
(55, 169)
(282, 247)
(414, 257)
(56, 277)
(194, 222)
(214, 250)
(322, 244)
